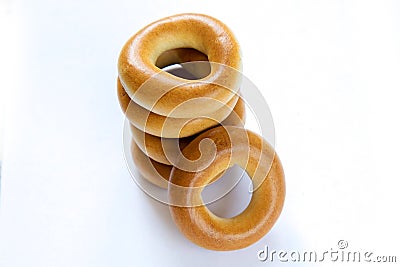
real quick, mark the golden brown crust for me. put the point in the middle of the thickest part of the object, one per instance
(159, 104)
(153, 171)
(137, 64)
(169, 127)
(262, 164)
(154, 146)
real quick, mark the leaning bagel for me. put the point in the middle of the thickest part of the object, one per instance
(155, 147)
(233, 146)
(162, 92)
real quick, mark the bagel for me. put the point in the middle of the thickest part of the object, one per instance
(155, 172)
(169, 127)
(233, 146)
(154, 146)
(162, 92)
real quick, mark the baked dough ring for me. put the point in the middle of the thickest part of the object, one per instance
(169, 127)
(153, 171)
(206, 229)
(154, 146)
(138, 57)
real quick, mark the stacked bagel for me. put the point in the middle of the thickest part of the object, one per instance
(170, 117)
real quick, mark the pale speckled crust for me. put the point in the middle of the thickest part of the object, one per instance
(152, 145)
(205, 229)
(169, 127)
(137, 63)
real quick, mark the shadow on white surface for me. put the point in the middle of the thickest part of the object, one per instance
(329, 70)
(166, 235)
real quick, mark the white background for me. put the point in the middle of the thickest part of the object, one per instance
(329, 71)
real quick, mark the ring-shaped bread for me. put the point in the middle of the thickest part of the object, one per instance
(165, 92)
(263, 166)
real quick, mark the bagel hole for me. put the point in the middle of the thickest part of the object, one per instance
(229, 195)
(187, 63)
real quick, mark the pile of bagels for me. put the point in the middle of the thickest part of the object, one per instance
(187, 127)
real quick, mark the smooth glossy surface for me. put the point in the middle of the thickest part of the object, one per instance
(328, 70)
(261, 163)
(137, 64)
(170, 127)
(155, 147)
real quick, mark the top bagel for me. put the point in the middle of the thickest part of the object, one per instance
(162, 92)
